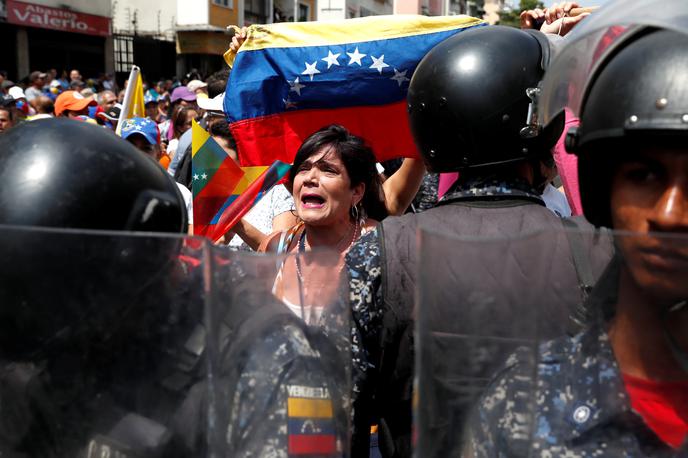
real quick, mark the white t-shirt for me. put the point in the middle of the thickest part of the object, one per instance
(188, 200)
(277, 201)
(556, 201)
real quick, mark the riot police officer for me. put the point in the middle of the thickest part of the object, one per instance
(472, 105)
(93, 324)
(633, 168)
(104, 334)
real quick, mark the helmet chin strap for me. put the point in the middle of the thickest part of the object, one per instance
(680, 355)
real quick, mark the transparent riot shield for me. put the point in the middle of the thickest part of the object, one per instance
(280, 342)
(101, 338)
(484, 307)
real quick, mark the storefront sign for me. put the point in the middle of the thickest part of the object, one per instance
(44, 17)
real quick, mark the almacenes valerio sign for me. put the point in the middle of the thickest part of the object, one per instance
(45, 17)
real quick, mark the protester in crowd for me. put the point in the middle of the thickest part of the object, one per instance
(110, 118)
(143, 133)
(6, 117)
(75, 75)
(219, 131)
(54, 89)
(618, 388)
(181, 96)
(71, 104)
(214, 111)
(106, 100)
(198, 87)
(45, 108)
(182, 118)
(554, 199)
(37, 80)
(338, 197)
(22, 106)
(150, 101)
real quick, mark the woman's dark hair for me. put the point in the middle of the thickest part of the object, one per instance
(358, 159)
(179, 119)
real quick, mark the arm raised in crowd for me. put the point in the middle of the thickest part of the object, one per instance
(402, 186)
(558, 19)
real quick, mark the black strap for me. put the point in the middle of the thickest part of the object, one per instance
(581, 262)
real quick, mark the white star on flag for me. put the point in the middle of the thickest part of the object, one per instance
(355, 56)
(331, 59)
(195, 177)
(204, 176)
(310, 69)
(296, 86)
(288, 104)
(378, 63)
(400, 77)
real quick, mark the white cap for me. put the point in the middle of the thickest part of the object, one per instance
(193, 85)
(17, 93)
(214, 104)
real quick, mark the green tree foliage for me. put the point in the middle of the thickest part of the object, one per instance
(512, 17)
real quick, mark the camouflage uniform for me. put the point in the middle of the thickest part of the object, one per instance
(427, 195)
(282, 403)
(581, 408)
(365, 275)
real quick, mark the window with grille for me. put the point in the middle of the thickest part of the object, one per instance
(124, 53)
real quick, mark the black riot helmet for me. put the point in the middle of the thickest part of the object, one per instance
(472, 100)
(638, 95)
(76, 270)
(69, 174)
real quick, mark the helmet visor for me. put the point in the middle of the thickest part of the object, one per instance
(566, 81)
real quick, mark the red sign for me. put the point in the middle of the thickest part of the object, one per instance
(45, 17)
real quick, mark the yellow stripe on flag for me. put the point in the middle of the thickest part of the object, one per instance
(250, 175)
(198, 137)
(309, 408)
(138, 108)
(302, 34)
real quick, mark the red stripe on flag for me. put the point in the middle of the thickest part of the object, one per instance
(277, 137)
(312, 444)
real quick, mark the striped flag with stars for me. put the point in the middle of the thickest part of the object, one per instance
(291, 79)
(215, 177)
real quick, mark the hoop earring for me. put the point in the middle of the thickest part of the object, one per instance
(354, 212)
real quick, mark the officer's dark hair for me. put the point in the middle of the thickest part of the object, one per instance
(221, 129)
(217, 82)
(358, 159)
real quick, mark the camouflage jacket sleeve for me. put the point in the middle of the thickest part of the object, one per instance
(365, 297)
(501, 423)
(287, 401)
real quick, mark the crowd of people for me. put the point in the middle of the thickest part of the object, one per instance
(368, 289)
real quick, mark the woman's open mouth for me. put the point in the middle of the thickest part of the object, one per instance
(312, 201)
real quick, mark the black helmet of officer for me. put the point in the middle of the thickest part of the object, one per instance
(637, 95)
(69, 174)
(73, 271)
(472, 99)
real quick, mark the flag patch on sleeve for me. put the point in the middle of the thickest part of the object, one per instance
(310, 421)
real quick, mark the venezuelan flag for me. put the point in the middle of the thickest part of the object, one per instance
(290, 79)
(310, 427)
(215, 178)
(246, 194)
